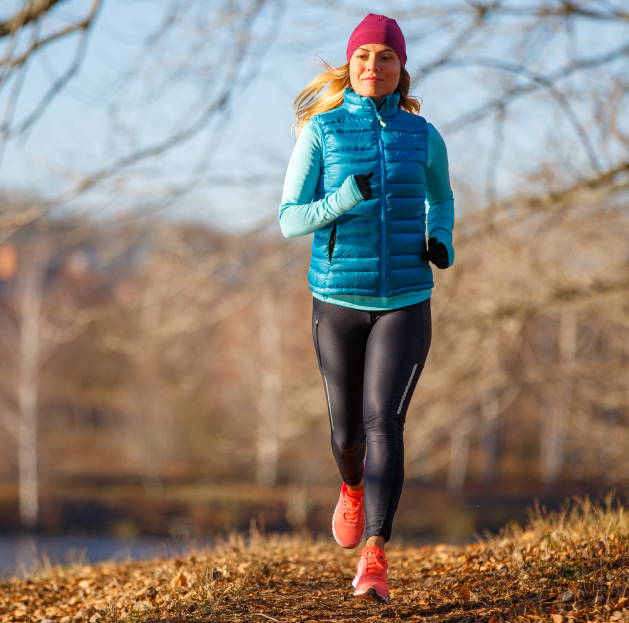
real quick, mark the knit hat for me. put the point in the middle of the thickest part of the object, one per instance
(378, 29)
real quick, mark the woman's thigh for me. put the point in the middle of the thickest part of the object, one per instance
(340, 335)
(395, 356)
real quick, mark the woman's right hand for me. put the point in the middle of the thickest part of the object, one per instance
(364, 185)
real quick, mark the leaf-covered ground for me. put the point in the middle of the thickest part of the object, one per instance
(570, 567)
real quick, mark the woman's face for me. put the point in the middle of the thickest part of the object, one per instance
(374, 71)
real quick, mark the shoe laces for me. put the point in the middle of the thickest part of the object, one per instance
(375, 566)
(351, 508)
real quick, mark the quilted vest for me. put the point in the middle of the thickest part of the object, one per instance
(373, 249)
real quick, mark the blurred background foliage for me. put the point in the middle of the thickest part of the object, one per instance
(158, 374)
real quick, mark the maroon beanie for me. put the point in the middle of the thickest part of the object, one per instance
(378, 29)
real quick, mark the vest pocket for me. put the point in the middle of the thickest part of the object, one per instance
(317, 342)
(332, 243)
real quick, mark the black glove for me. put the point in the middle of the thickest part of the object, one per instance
(364, 185)
(437, 254)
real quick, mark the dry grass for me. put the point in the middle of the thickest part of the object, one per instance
(570, 566)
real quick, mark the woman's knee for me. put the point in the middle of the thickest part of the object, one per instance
(347, 443)
(384, 427)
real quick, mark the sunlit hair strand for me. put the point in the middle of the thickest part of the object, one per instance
(316, 98)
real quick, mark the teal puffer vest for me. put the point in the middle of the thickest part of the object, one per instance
(374, 249)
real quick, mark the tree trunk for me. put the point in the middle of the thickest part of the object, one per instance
(270, 391)
(30, 309)
(558, 401)
(459, 451)
(489, 408)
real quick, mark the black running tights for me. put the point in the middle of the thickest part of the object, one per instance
(370, 362)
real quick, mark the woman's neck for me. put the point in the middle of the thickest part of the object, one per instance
(378, 101)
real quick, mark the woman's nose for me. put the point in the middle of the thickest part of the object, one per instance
(372, 65)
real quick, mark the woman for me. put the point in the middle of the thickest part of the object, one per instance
(364, 165)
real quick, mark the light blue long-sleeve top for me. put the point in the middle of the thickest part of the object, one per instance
(299, 215)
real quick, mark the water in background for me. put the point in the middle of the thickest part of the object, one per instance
(25, 554)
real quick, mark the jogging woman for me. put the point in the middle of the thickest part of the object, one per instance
(363, 168)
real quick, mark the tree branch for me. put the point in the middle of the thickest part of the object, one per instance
(503, 100)
(34, 10)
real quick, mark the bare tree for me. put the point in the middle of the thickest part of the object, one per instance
(30, 310)
(269, 318)
(179, 54)
(37, 318)
(24, 37)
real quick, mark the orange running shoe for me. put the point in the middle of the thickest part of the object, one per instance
(348, 521)
(371, 578)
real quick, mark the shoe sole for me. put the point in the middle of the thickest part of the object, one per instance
(336, 537)
(371, 595)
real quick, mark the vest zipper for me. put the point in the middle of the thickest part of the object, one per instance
(383, 210)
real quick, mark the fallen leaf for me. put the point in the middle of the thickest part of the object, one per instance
(557, 618)
(181, 579)
(406, 582)
(568, 596)
(464, 593)
(621, 602)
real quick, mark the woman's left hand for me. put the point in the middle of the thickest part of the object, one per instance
(364, 185)
(437, 254)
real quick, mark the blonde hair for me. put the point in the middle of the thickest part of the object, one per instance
(311, 101)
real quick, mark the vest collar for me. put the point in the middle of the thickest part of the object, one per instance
(364, 106)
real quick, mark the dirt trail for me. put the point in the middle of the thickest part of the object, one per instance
(570, 567)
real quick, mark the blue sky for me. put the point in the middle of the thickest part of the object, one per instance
(99, 117)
